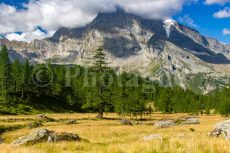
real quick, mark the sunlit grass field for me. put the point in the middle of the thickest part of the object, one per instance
(109, 136)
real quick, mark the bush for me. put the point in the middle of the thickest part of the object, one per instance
(192, 129)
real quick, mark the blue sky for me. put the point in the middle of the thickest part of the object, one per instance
(205, 22)
(20, 19)
(14, 2)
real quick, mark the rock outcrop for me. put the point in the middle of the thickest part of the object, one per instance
(44, 118)
(177, 122)
(188, 120)
(221, 128)
(43, 135)
(165, 124)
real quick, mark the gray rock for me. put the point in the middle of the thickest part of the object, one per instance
(215, 133)
(165, 124)
(221, 128)
(44, 118)
(34, 137)
(152, 137)
(126, 122)
(54, 137)
(191, 120)
(43, 135)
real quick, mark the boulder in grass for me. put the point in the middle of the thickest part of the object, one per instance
(40, 135)
(126, 122)
(215, 133)
(63, 137)
(221, 128)
(165, 124)
(190, 120)
(43, 135)
(44, 118)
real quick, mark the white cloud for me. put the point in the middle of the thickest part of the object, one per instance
(28, 36)
(186, 19)
(16, 36)
(53, 14)
(221, 2)
(226, 31)
(151, 8)
(225, 13)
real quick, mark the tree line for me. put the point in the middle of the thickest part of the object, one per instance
(99, 88)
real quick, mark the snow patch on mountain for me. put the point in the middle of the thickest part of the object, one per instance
(168, 23)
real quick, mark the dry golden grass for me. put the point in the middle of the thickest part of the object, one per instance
(109, 136)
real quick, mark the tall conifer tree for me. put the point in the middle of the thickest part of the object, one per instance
(5, 73)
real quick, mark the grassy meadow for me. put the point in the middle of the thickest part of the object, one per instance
(109, 136)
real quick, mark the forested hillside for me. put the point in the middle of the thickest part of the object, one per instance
(27, 88)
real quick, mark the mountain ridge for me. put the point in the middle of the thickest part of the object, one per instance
(139, 45)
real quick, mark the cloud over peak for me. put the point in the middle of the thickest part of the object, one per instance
(28, 36)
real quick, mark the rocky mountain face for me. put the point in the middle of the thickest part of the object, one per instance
(166, 51)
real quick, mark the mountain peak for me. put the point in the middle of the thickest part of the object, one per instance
(153, 48)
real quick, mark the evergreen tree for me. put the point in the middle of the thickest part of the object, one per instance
(26, 82)
(5, 73)
(42, 78)
(59, 81)
(17, 73)
(100, 96)
(128, 93)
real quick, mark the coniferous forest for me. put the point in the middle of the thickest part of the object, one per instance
(34, 88)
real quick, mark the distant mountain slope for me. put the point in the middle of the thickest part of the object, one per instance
(165, 51)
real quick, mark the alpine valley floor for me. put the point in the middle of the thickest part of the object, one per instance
(109, 136)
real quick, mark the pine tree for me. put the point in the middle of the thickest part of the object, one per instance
(17, 75)
(5, 73)
(59, 81)
(26, 78)
(43, 78)
(99, 97)
(120, 95)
